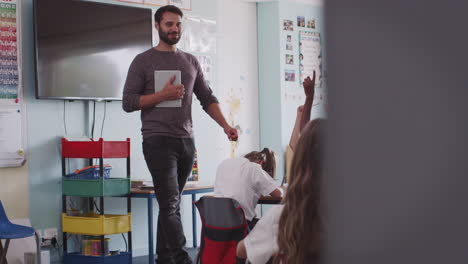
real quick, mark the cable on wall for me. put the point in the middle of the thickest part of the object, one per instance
(104, 117)
(94, 119)
(64, 119)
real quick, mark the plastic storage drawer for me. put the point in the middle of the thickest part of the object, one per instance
(96, 225)
(95, 188)
(95, 149)
(76, 258)
(90, 173)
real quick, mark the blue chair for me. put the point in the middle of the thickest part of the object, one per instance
(9, 231)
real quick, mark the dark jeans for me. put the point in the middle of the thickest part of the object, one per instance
(170, 162)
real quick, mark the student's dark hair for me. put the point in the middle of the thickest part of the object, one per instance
(267, 156)
(168, 8)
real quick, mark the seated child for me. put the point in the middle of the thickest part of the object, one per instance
(292, 232)
(247, 178)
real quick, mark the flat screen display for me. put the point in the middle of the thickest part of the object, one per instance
(84, 49)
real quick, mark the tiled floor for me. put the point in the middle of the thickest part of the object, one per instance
(144, 259)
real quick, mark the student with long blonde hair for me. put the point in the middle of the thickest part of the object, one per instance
(292, 232)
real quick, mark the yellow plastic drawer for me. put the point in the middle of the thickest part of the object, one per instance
(94, 224)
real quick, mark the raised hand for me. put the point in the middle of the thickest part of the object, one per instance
(309, 85)
(300, 109)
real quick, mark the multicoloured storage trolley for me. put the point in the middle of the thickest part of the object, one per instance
(92, 182)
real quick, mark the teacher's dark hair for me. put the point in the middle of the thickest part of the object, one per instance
(168, 8)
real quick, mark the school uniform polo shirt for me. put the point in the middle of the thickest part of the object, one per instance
(243, 181)
(261, 244)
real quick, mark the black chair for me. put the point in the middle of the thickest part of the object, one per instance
(223, 226)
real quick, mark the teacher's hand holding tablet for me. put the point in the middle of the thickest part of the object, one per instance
(173, 91)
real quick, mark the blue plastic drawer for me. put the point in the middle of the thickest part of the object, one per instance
(90, 173)
(77, 258)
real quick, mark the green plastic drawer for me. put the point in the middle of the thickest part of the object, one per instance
(98, 187)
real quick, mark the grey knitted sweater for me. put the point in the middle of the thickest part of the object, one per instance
(167, 121)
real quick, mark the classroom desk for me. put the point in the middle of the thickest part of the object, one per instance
(149, 195)
(269, 200)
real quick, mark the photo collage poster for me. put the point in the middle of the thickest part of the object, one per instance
(302, 52)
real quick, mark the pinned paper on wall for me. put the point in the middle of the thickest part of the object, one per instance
(11, 152)
(133, 1)
(206, 64)
(310, 57)
(155, 2)
(11, 133)
(200, 35)
(182, 4)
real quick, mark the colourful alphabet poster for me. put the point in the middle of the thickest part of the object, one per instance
(9, 76)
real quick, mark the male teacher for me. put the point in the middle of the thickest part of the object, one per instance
(168, 144)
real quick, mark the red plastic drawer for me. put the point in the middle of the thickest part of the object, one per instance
(95, 149)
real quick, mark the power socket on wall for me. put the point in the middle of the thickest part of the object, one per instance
(48, 237)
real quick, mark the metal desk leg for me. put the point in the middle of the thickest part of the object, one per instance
(194, 221)
(150, 230)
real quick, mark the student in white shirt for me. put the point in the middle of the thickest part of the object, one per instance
(247, 178)
(292, 233)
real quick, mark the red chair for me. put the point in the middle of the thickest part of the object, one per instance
(223, 226)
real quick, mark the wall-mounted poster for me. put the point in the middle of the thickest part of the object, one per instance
(301, 21)
(310, 57)
(183, 4)
(288, 25)
(289, 75)
(155, 2)
(206, 63)
(311, 23)
(9, 81)
(199, 35)
(12, 135)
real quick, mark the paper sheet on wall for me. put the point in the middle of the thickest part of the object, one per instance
(155, 2)
(199, 35)
(183, 4)
(11, 152)
(310, 57)
(11, 132)
(206, 64)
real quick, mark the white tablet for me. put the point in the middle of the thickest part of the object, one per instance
(160, 79)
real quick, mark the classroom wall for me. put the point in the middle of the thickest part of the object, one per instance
(14, 191)
(236, 77)
(275, 94)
